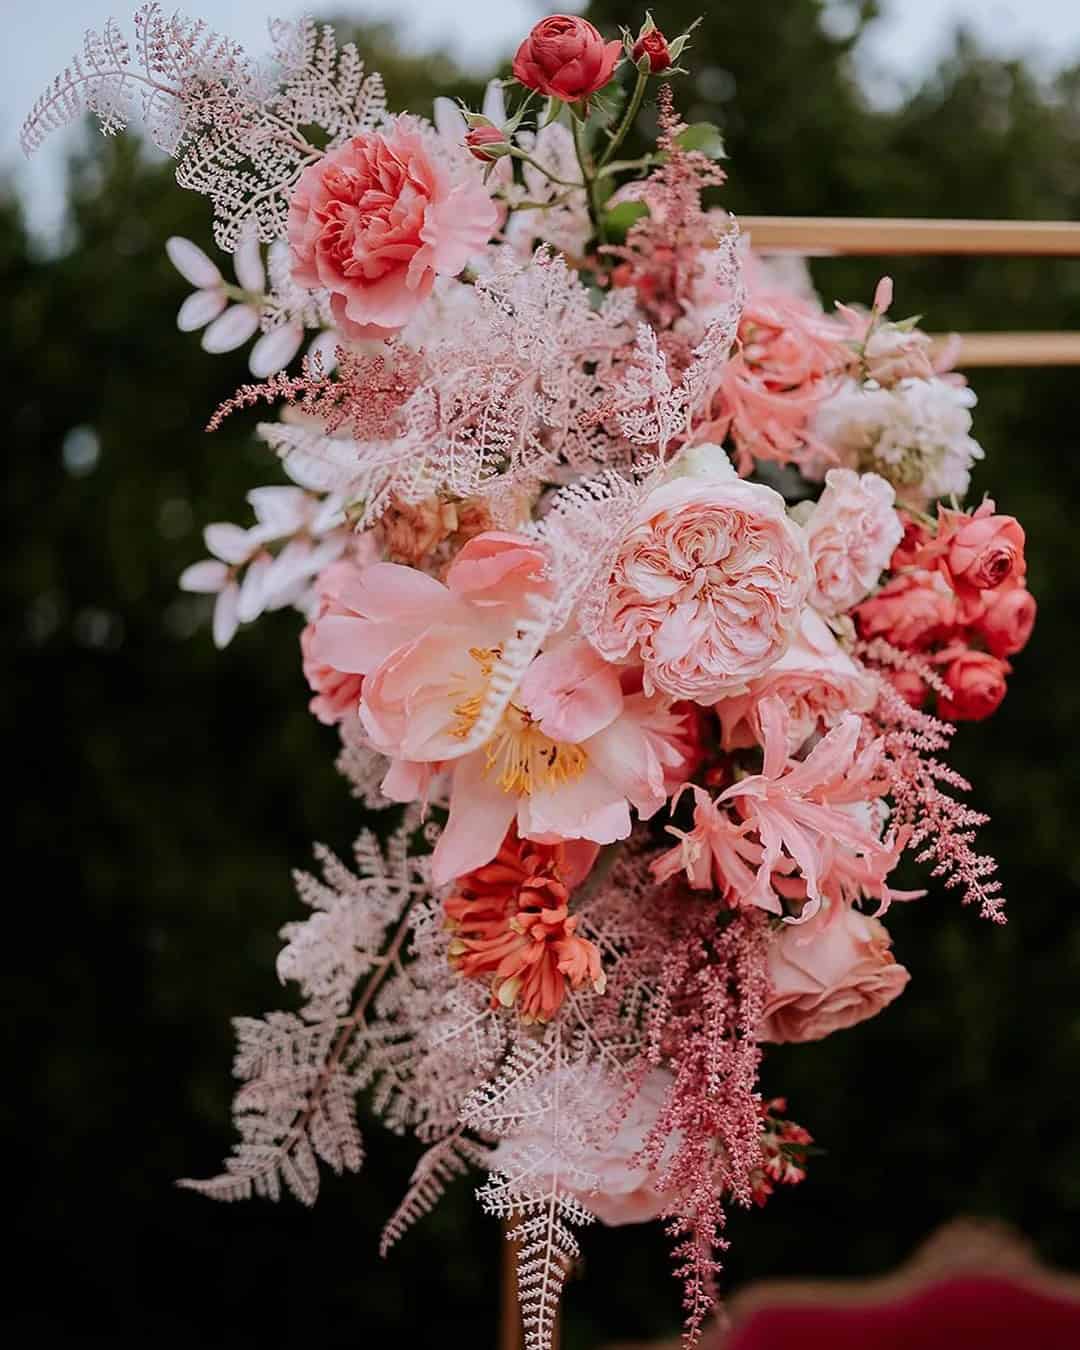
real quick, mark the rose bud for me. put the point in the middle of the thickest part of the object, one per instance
(976, 683)
(910, 686)
(486, 142)
(985, 552)
(565, 57)
(653, 46)
(1006, 622)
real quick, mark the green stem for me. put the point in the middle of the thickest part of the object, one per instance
(628, 117)
(624, 165)
(588, 173)
(528, 159)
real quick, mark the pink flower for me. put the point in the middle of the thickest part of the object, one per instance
(565, 57)
(654, 45)
(816, 681)
(977, 686)
(625, 1190)
(572, 750)
(707, 587)
(828, 974)
(852, 534)
(914, 610)
(337, 693)
(376, 220)
(1006, 619)
(985, 551)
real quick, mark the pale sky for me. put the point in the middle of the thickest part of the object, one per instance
(39, 36)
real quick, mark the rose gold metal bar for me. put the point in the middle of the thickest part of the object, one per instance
(823, 235)
(1015, 349)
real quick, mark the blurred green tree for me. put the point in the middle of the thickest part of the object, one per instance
(170, 788)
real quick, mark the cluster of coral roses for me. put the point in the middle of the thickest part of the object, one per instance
(630, 588)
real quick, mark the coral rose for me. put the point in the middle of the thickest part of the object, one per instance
(830, 973)
(977, 685)
(377, 219)
(707, 587)
(565, 57)
(985, 552)
(1006, 621)
(914, 610)
(852, 533)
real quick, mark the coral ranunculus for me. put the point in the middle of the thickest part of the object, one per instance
(829, 974)
(914, 610)
(1007, 618)
(986, 552)
(565, 57)
(377, 219)
(707, 587)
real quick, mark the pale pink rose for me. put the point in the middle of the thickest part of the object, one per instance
(827, 974)
(575, 748)
(625, 1190)
(707, 587)
(376, 220)
(852, 533)
(815, 680)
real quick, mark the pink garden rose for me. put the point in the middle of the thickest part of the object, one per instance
(565, 57)
(977, 686)
(707, 587)
(830, 973)
(815, 680)
(1006, 619)
(376, 220)
(852, 533)
(575, 747)
(913, 611)
(986, 551)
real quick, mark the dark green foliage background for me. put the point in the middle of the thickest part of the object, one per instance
(161, 792)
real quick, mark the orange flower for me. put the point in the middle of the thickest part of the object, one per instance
(511, 922)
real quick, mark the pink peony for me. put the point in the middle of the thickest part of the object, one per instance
(707, 587)
(913, 611)
(575, 747)
(828, 974)
(977, 686)
(815, 680)
(565, 57)
(376, 220)
(852, 533)
(337, 692)
(1006, 619)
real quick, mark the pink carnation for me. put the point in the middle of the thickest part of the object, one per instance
(830, 973)
(376, 220)
(707, 587)
(852, 534)
(816, 681)
(576, 746)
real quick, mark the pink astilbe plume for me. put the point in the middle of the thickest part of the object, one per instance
(940, 827)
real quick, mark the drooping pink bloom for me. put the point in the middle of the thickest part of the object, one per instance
(852, 533)
(511, 925)
(714, 853)
(377, 219)
(815, 680)
(707, 587)
(573, 750)
(813, 811)
(977, 685)
(830, 973)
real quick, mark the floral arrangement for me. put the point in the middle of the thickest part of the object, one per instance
(639, 590)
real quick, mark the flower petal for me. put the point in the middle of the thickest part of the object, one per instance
(198, 309)
(192, 263)
(248, 263)
(231, 329)
(226, 618)
(274, 350)
(204, 578)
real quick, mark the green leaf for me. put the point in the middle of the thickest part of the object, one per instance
(705, 137)
(619, 219)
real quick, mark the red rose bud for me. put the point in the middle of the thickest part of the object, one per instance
(565, 57)
(986, 552)
(1006, 622)
(653, 45)
(976, 683)
(486, 142)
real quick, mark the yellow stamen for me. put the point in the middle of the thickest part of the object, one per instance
(527, 759)
(468, 710)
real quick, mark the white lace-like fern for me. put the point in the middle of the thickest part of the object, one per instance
(444, 1161)
(239, 132)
